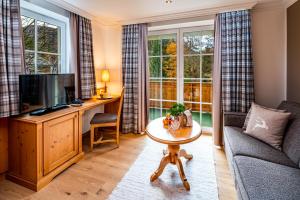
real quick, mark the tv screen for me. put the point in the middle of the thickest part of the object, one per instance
(46, 91)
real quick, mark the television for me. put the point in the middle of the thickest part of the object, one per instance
(44, 93)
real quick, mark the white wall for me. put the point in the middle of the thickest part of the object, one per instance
(113, 57)
(268, 30)
(107, 53)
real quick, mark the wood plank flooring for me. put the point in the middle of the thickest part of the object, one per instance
(96, 178)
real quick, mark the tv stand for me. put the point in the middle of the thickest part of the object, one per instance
(41, 147)
(44, 111)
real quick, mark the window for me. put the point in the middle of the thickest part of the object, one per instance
(180, 65)
(45, 44)
(163, 72)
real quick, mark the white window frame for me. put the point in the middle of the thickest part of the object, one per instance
(180, 61)
(40, 14)
(164, 32)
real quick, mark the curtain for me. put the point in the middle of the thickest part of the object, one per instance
(217, 85)
(82, 58)
(11, 57)
(233, 68)
(135, 78)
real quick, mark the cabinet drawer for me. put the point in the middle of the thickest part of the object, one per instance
(60, 137)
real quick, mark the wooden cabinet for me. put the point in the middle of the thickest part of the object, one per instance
(60, 137)
(42, 147)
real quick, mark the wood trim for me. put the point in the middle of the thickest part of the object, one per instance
(3, 145)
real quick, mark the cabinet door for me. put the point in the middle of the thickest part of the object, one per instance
(60, 141)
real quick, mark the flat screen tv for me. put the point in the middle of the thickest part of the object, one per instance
(44, 93)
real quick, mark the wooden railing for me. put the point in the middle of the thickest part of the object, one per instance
(192, 93)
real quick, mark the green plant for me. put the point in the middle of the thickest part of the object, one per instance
(177, 109)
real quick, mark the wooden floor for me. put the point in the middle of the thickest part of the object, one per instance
(96, 178)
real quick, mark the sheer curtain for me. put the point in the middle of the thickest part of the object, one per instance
(233, 69)
(135, 78)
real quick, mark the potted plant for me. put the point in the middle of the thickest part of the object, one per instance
(177, 112)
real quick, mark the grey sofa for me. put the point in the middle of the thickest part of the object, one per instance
(260, 171)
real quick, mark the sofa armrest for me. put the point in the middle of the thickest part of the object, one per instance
(236, 119)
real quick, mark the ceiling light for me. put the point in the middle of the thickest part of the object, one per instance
(169, 1)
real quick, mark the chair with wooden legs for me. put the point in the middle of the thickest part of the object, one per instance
(107, 119)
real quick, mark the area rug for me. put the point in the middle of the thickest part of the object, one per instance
(200, 172)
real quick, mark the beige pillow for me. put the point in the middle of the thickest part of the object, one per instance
(267, 125)
(249, 113)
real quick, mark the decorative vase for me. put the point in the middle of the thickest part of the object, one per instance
(175, 124)
(180, 119)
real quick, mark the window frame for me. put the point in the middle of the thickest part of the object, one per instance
(40, 14)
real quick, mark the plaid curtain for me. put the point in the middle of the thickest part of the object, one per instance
(135, 78)
(83, 58)
(11, 56)
(236, 61)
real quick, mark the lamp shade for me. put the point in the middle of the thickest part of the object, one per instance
(105, 75)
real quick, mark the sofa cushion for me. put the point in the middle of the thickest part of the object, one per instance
(249, 114)
(259, 179)
(242, 144)
(291, 143)
(267, 125)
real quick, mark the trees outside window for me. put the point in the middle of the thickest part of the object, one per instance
(44, 43)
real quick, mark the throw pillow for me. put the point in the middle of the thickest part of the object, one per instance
(249, 113)
(267, 125)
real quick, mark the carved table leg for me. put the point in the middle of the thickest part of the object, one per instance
(162, 165)
(182, 175)
(172, 155)
(183, 153)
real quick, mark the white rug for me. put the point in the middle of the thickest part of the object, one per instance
(200, 172)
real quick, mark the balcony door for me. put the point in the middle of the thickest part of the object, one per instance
(180, 65)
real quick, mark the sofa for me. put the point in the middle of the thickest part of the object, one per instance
(259, 170)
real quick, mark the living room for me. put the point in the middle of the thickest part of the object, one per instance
(163, 99)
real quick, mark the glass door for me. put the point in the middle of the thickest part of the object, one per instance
(180, 64)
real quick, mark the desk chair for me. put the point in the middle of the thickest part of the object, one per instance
(109, 119)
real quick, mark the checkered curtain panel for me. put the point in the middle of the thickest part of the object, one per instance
(135, 78)
(86, 70)
(11, 56)
(236, 61)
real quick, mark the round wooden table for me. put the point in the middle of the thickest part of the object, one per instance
(166, 135)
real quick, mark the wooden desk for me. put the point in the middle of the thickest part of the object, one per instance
(41, 147)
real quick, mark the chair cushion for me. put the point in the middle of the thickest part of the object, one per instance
(259, 179)
(291, 142)
(100, 118)
(242, 144)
